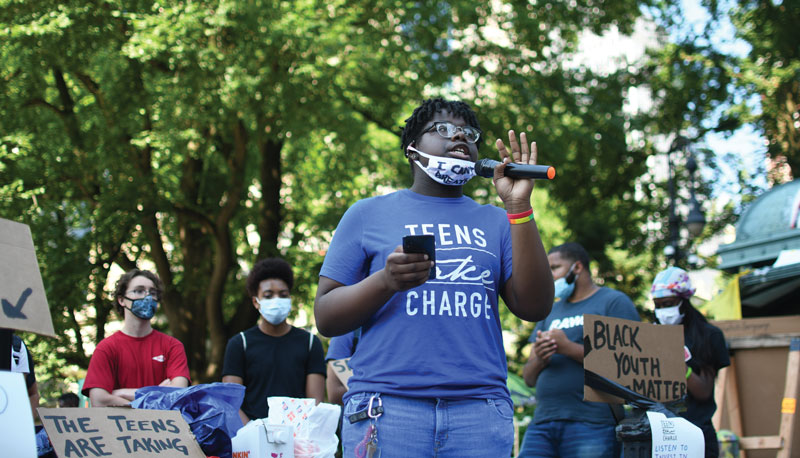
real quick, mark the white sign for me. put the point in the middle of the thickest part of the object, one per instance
(675, 437)
(16, 417)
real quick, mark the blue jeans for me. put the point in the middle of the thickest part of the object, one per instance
(569, 439)
(433, 427)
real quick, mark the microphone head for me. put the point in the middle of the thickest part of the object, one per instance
(485, 167)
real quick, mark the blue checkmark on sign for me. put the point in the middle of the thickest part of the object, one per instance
(15, 311)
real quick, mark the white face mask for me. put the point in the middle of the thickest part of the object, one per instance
(669, 315)
(446, 170)
(275, 310)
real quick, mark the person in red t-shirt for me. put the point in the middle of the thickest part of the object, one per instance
(137, 355)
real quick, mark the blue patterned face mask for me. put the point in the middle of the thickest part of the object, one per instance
(564, 288)
(144, 308)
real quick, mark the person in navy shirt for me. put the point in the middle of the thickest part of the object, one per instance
(564, 424)
(431, 352)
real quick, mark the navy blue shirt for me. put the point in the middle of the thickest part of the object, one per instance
(559, 388)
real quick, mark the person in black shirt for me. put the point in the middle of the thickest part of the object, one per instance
(705, 349)
(273, 358)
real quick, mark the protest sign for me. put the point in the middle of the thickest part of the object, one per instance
(645, 358)
(114, 431)
(16, 418)
(341, 367)
(675, 437)
(24, 305)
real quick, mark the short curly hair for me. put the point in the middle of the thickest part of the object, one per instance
(266, 269)
(125, 279)
(427, 110)
(572, 251)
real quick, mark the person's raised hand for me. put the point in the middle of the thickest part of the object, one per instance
(515, 193)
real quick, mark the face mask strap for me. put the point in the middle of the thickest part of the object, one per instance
(419, 153)
(571, 274)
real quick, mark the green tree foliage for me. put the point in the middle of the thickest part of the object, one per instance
(723, 66)
(771, 70)
(200, 136)
(705, 82)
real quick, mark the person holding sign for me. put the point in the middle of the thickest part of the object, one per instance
(340, 350)
(273, 358)
(429, 375)
(565, 425)
(137, 355)
(705, 349)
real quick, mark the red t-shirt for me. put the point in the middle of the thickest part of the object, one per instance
(122, 361)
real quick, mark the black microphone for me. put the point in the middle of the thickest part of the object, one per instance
(485, 168)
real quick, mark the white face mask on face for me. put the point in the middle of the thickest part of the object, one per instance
(669, 315)
(446, 170)
(275, 310)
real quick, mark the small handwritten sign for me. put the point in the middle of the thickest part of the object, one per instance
(23, 304)
(675, 437)
(341, 367)
(646, 358)
(113, 431)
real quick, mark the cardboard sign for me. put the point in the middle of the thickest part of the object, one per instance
(16, 419)
(646, 358)
(675, 437)
(115, 431)
(341, 367)
(24, 305)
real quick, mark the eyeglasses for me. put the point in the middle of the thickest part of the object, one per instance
(141, 293)
(448, 130)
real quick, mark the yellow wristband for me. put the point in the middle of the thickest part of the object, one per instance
(688, 373)
(524, 219)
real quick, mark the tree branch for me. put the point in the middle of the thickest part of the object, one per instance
(223, 250)
(46, 104)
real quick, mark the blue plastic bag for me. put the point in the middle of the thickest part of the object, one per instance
(211, 410)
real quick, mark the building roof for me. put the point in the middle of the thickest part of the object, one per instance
(768, 226)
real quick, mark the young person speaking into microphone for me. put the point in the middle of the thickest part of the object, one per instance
(429, 375)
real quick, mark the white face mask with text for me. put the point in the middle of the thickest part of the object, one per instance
(446, 170)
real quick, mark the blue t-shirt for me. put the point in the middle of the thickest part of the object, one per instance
(559, 388)
(340, 347)
(442, 339)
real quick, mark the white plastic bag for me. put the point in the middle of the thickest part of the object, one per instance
(314, 426)
(260, 439)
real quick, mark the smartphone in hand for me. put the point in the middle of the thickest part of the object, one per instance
(422, 244)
